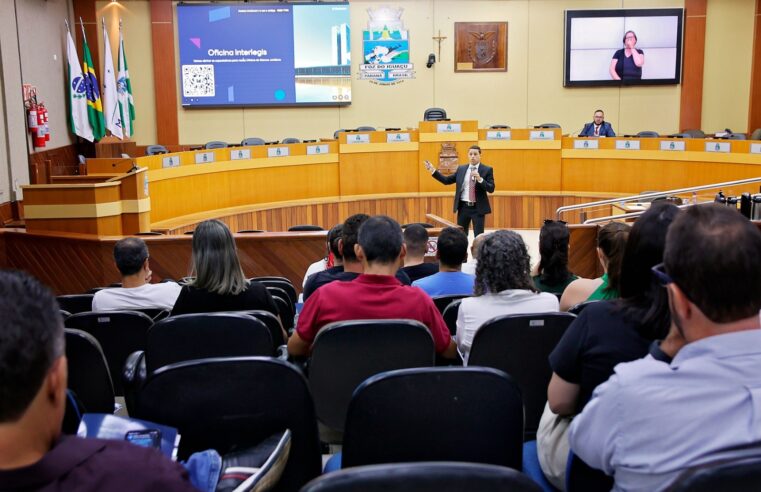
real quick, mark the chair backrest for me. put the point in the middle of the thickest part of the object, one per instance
(272, 322)
(365, 128)
(736, 136)
(756, 135)
(648, 134)
(251, 141)
(695, 133)
(472, 414)
(681, 135)
(305, 227)
(432, 114)
(64, 314)
(430, 476)
(286, 308)
(520, 345)
(237, 402)
(282, 283)
(346, 353)
(89, 377)
(337, 132)
(75, 303)
(119, 333)
(205, 335)
(155, 149)
(578, 308)
(156, 314)
(250, 231)
(450, 315)
(442, 302)
(291, 140)
(736, 475)
(215, 144)
(547, 125)
(500, 127)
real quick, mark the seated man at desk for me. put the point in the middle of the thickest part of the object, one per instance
(598, 128)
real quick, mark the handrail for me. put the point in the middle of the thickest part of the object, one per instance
(633, 215)
(654, 194)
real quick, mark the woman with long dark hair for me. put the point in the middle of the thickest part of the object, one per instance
(553, 275)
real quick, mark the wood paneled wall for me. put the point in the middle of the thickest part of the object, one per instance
(691, 105)
(61, 161)
(754, 109)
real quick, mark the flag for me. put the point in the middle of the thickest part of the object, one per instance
(126, 102)
(94, 107)
(78, 121)
(110, 97)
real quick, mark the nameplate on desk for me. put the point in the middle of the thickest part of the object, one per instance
(718, 147)
(672, 145)
(204, 157)
(278, 151)
(357, 138)
(170, 161)
(627, 144)
(498, 135)
(586, 144)
(755, 148)
(449, 128)
(317, 149)
(236, 155)
(541, 135)
(397, 137)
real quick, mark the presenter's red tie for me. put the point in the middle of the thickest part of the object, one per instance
(472, 189)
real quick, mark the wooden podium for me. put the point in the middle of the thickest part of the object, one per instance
(116, 206)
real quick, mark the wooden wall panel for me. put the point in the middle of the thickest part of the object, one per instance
(61, 161)
(691, 101)
(87, 11)
(165, 86)
(754, 110)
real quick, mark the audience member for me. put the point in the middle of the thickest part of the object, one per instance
(605, 334)
(334, 248)
(132, 260)
(349, 267)
(470, 265)
(611, 240)
(219, 283)
(503, 286)
(416, 241)
(330, 260)
(452, 251)
(552, 274)
(33, 377)
(651, 420)
(375, 294)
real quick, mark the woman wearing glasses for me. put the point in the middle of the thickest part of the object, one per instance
(606, 334)
(627, 62)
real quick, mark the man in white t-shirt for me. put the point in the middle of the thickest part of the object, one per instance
(136, 292)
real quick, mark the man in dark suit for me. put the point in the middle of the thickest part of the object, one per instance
(473, 180)
(598, 128)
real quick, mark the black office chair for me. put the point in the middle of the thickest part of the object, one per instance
(736, 136)
(89, 377)
(119, 333)
(583, 478)
(429, 476)
(272, 322)
(291, 140)
(75, 303)
(434, 114)
(578, 308)
(305, 227)
(681, 135)
(756, 135)
(442, 302)
(500, 127)
(346, 353)
(235, 403)
(450, 315)
(732, 475)
(647, 134)
(215, 144)
(250, 231)
(64, 314)
(251, 141)
(337, 132)
(285, 308)
(695, 133)
(155, 150)
(149, 233)
(156, 314)
(520, 345)
(547, 125)
(365, 128)
(472, 414)
(282, 283)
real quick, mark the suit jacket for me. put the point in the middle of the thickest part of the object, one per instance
(606, 130)
(482, 200)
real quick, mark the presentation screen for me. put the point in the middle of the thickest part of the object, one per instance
(623, 47)
(257, 54)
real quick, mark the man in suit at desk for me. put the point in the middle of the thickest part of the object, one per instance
(473, 180)
(598, 128)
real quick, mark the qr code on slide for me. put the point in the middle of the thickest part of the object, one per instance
(198, 80)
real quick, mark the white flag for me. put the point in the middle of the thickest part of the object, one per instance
(110, 97)
(78, 120)
(126, 103)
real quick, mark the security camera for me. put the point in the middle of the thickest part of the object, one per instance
(431, 60)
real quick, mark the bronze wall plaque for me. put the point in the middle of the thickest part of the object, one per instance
(480, 46)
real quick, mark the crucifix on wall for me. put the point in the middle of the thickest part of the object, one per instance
(439, 39)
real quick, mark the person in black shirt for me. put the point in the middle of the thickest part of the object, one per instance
(627, 62)
(416, 241)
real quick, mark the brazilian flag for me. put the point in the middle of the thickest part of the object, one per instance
(94, 105)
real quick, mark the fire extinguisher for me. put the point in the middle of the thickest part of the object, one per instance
(39, 134)
(45, 120)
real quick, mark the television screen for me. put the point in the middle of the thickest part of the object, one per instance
(623, 47)
(256, 54)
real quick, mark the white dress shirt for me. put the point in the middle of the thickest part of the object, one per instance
(147, 296)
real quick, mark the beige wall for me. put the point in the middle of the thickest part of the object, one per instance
(728, 60)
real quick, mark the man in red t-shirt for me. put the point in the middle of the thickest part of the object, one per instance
(375, 294)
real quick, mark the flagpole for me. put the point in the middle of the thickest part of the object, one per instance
(66, 21)
(81, 23)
